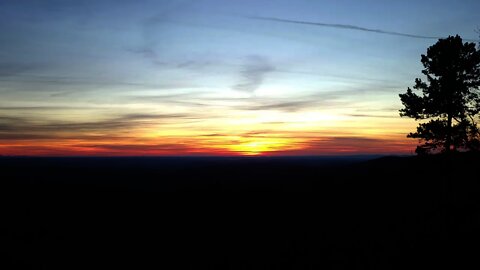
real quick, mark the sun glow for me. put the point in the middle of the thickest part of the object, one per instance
(259, 146)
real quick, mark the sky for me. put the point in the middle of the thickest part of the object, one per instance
(215, 77)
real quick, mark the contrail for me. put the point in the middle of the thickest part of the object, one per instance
(350, 27)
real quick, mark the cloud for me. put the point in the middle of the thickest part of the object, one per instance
(350, 27)
(372, 115)
(22, 128)
(198, 64)
(10, 69)
(119, 123)
(187, 100)
(145, 52)
(140, 147)
(109, 149)
(59, 86)
(319, 100)
(289, 106)
(43, 108)
(148, 53)
(151, 27)
(348, 145)
(81, 81)
(253, 73)
(213, 135)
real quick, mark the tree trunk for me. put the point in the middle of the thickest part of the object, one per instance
(448, 140)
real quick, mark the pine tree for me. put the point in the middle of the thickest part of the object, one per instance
(450, 97)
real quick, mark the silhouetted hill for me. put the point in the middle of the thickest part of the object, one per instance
(238, 213)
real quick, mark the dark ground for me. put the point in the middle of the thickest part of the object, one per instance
(240, 213)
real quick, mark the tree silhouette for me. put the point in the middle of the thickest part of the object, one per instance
(450, 97)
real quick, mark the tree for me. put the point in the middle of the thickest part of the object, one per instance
(449, 98)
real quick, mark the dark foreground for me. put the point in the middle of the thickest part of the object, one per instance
(280, 213)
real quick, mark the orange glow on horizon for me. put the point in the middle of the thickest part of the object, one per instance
(241, 134)
(220, 146)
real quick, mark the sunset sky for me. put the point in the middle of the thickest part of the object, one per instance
(215, 77)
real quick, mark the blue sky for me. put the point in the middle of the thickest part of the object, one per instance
(74, 62)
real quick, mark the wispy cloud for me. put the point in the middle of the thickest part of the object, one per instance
(253, 73)
(349, 27)
(110, 149)
(60, 86)
(151, 27)
(22, 128)
(287, 106)
(12, 68)
(148, 53)
(42, 108)
(318, 100)
(372, 115)
(348, 145)
(167, 147)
